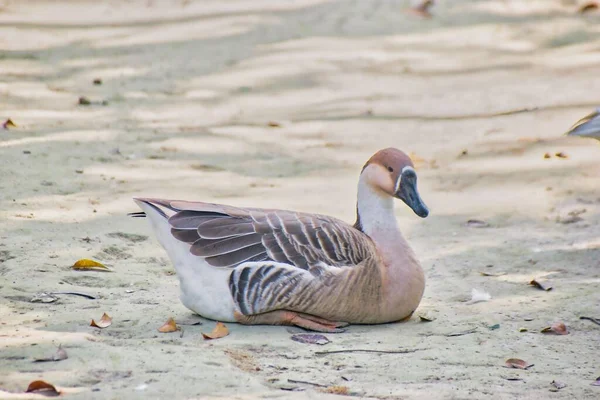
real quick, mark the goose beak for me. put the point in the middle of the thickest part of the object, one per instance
(588, 126)
(408, 193)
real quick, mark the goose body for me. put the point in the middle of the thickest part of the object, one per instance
(266, 266)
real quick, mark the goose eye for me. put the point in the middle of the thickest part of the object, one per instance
(390, 169)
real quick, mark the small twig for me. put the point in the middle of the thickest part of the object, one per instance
(87, 296)
(594, 320)
(307, 383)
(322, 353)
(462, 333)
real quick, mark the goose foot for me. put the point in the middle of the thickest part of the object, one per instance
(282, 317)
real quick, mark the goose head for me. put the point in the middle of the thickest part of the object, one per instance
(390, 172)
(588, 126)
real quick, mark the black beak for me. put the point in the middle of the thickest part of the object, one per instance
(407, 192)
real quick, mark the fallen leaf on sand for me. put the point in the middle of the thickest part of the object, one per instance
(587, 7)
(547, 155)
(60, 355)
(104, 322)
(558, 328)
(560, 154)
(43, 388)
(169, 326)
(217, 333)
(8, 124)
(540, 285)
(310, 338)
(422, 9)
(484, 273)
(596, 382)
(556, 386)
(426, 318)
(476, 223)
(274, 124)
(517, 363)
(89, 265)
(341, 390)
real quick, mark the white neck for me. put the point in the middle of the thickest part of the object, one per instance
(376, 212)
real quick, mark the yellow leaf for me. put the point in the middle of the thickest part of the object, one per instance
(9, 124)
(217, 333)
(85, 264)
(104, 322)
(169, 326)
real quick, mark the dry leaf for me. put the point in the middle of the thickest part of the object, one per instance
(9, 124)
(169, 326)
(560, 154)
(523, 329)
(341, 390)
(558, 328)
(517, 363)
(60, 355)
(476, 223)
(483, 273)
(217, 333)
(274, 124)
(89, 265)
(422, 9)
(587, 7)
(540, 285)
(43, 388)
(104, 322)
(310, 338)
(426, 318)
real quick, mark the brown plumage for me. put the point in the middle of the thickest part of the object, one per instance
(278, 266)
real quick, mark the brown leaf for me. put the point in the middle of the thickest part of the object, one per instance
(169, 326)
(9, 124)
(310, 338)
(560, 154)
(484, 273)
(517, 363)
(60, 355)
(540, 285)
(89, 265)
(558, 328)
(547, 155)
(217, 333)
(43, 388)
(476, 223)
(341, 390)
(104, 322)
(274, 124)
(587, 7)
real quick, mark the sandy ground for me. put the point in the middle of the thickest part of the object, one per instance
(478, 94)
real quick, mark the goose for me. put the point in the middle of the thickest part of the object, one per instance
(588, 126)
(278, 267)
